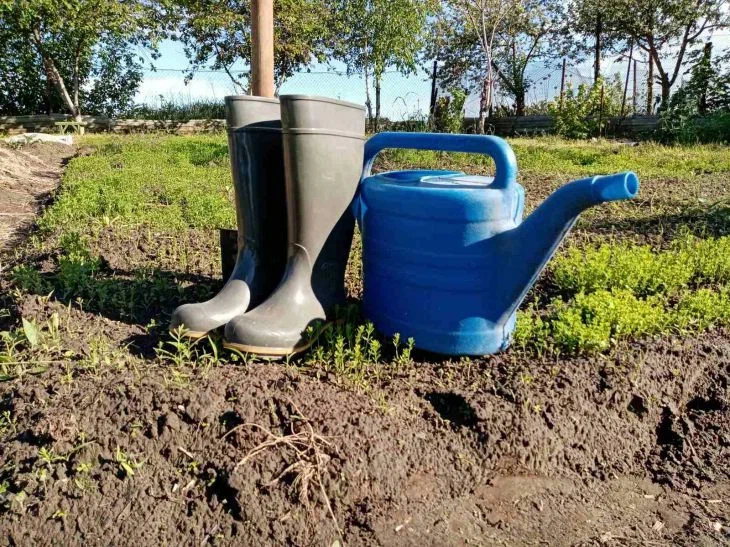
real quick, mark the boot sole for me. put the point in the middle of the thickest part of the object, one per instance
(195, 335)
(265, 351)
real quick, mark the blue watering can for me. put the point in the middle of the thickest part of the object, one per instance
(446, 257)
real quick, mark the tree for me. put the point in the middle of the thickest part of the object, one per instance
(493, 42)
(533, 30)
(66, 36)
(668, 30)
(594, 19)
(477, 25)
(23, 87)
(217, 34)
(377, 34)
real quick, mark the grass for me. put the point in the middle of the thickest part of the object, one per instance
(557, 157)
(167, 182)
(659, 265)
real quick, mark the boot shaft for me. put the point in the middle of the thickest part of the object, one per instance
(323, 150)
(257, 166)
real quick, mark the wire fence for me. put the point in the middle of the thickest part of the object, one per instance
(403, 97)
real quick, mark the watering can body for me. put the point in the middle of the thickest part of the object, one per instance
(446, 257)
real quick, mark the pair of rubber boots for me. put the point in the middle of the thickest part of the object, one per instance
(296, 166)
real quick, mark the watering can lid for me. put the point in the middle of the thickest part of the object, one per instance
(446, 195)
(423, 178)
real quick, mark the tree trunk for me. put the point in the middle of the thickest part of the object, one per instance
(666, 92)
(57, 79)
(650, 87)
(53, 74)
(377, 101)
(483, 106)
(368, 102)
(520, 102)
(76, 89)
(597, 54)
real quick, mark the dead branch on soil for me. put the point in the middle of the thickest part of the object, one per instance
(310, 465)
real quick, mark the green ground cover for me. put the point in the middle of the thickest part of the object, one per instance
(659, 265)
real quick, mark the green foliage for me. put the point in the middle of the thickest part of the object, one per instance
(23, 86)
(166, 182)
(592, 322)
(638, 269)
(618, 291)
(700, 109)
(449, 114)
(84, 47)
(217, 34)
(178, 109)
(584, 111)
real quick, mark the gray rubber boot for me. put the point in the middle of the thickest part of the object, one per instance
(323, 155)
(257, 163)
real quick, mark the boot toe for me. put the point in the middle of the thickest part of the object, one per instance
(251, 333)
(193, 319)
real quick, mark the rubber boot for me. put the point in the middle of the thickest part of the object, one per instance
(323, 155)
(257, 163)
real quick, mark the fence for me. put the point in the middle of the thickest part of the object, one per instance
(633, 126)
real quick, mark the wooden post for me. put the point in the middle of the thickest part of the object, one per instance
(262, 50)
(434, 88)
(626, 83)
(562, 85)
(635, 89)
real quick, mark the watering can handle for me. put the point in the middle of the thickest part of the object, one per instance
(498, 149)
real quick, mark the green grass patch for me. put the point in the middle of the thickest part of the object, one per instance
(557, 157)
(689, 261)
(167, 182)
(618, 291)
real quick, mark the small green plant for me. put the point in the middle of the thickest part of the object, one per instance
(59, 515)
(352, 351)
(127, 464)
(637, 268)
(7, 424)
(202, 354)
(49, 457)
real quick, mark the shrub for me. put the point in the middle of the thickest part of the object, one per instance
(449, 113)
(583, 113)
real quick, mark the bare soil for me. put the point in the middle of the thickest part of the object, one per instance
(28, 175)
(630, 448)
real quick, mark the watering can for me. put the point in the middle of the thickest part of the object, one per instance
(447, 258)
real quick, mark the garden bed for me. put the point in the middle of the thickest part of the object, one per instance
(114, 432)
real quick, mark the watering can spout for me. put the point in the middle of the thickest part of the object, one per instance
(529, 246)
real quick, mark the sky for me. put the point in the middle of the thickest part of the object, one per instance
(403, 97)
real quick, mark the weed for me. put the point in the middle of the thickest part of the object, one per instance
(127, 464)
(202, 354)
(49, 457)
(690, 260)
(59, 515)
(7, 424)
